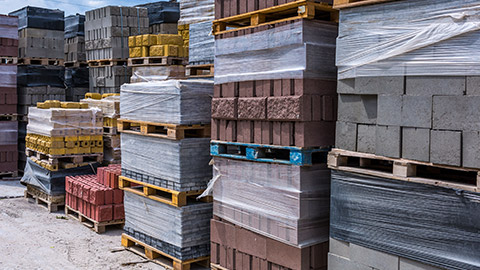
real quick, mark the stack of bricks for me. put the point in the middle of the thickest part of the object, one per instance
(8, 95)
(264, 104)
(89, 195)
(106, 38)
(40, 70)
(76, 70)
(408, 128)
(162, 16)
(157, 45)
(109, 104)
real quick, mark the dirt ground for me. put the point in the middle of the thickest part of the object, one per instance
(32, 238)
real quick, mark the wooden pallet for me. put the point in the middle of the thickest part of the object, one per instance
(8, 60)
(291, 155)
(301, 9)
(107, 62)
(157, 61)
(161, 130)
(9, 175)
(54, 163)
(217, 267)
(110, 130)
(160, 194)
(339, 4)
(41, 61)
(405, 170)
(8, 117)
(76, 64)
(154, 255)
(98, 227)
(200, 71)
(52, 203)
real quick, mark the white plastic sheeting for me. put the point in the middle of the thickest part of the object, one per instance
(303, 49)
(194, 11)
(415, 37)
(109, 106)
(8, 132)
(202, 44)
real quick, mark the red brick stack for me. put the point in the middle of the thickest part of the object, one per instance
(96, 196)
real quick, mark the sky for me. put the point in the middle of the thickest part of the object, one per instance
(70, 7)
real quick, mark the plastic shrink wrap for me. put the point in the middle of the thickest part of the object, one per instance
(74, 26)
(298, 50)
(180, 165)
(156, 73)
(202, 44)
(41, 18)
(417, 37)
(287, 203)
(434, 225)
(32, 76)
(8, 132)
(109, 106)
(9, 27)
(182, 232)
(162, 12)
(172, 101)
(194, 11)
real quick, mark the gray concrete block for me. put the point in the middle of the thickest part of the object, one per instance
(346, 136)
(388, 85)
(373, 258)
(340, 248)
(388, 141)
(417, 111)
(406, 264)
(416, 144)
(473, 85)
(346, 86)
(389, 110)
(357, 109)
(366, 138)
(471, 149)
(446, 147)
(456, 113)
(435, 85)
(336, 262)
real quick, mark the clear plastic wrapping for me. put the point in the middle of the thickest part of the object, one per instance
(109, 106)
(433, 225)
(58, 122)
(183, 163)
(172, 101)
(287, 203)
(419, 37)
(40, 18)
(194, 11)
(8, 132)
(156, 73)
(186, 226)
(202, 44)
(303, 49)
(8, 27)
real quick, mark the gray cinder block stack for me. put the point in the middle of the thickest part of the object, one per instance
(106, 38)
(405, 94)
(179, 165)
(76, 71)
(163, 17)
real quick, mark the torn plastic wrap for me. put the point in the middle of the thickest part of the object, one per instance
(302, 49)
(162, 12)
(32, 76)
(52, 182)
(182, 232)
(76, 77)
(41, 18)
(58, 122)
(179, 165)
(287, 203)
(430, 224)
(8, 132)
(156, 73)
(405, 38)
(194, 11)
(202, 44)
(9, 27)
(173, 101)
(74, 26)
(109, 106)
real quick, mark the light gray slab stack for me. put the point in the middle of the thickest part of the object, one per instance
(202, 44)
(175, 164)
(75, 49)
(108, 79)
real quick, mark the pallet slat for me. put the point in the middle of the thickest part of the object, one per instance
(76, 64)
(161, 130)
(41, 61)
(7, 60)
(107, 62)
(52, 203)
(98, 227)
(339, 4)
(200, 71)
(54, 163)
(405, 170)
(159, 257)
(157, 61)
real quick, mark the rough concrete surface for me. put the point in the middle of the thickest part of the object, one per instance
(32, 238)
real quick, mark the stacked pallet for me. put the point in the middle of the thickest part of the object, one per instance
(106, 41)
(109, 105)
(8, 96)
(63, 138)
(406, 163)
(76, 70)
(95, 200)
(162, 16)
(165, 133)
(40, 70)
(273, 122)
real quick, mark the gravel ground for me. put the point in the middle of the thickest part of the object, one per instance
(32, 238)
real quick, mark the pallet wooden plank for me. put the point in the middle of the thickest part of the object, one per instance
(51, 203)
(76, 64)
(162, 130)
(98, 227)
(41, 61)
(200, 71)
(339, 4)
(107, 62)
(157, 61)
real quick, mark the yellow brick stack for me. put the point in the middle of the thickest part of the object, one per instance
(157, 45)
(184, 31)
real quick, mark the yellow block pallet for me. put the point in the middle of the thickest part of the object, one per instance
(157, 45)
(65, 145)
